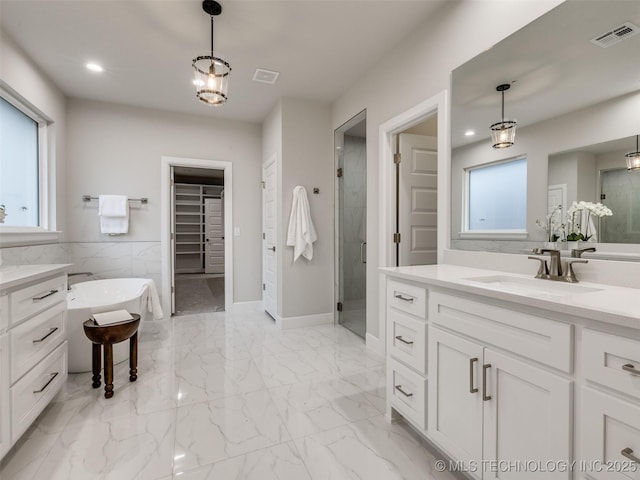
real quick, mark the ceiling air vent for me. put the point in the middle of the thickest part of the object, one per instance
(622, 32)
(265, 76)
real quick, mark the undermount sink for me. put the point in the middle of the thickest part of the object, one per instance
(526, 286)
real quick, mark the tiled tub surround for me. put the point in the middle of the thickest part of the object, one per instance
(103, 259)
(228, 396)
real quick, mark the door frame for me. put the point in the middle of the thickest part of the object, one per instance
(166, 162)
(273, 159)
(439, 104)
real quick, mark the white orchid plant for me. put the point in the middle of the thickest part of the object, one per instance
(580, 231)
(552, 226)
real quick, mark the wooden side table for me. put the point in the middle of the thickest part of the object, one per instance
(107, 335)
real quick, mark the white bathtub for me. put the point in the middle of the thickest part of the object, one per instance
(99, 296)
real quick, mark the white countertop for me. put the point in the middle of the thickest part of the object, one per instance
(610, 304)
(15, 275)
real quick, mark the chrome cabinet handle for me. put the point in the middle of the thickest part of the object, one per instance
(472, 389)
(51, 292)
(406, 342)
(48, 334)
(402, 297)
(628, 453)
(485, 397)
(53, 375)
(363, 256)
(399, 388)
(631, 369)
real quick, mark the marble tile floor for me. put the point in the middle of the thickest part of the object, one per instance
(227, 396)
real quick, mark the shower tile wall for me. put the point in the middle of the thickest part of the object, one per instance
(354, 222)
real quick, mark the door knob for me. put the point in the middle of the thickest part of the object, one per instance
(273, 249)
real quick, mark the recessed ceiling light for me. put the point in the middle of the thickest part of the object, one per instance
(469, 133)
(94, 67)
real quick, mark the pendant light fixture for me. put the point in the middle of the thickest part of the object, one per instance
(633, 159)
(211, 73)
(503, 133)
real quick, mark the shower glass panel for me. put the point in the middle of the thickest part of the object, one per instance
(621, 192)
(352, 238)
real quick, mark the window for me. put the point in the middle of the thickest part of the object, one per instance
(19, 167)
(497, 197)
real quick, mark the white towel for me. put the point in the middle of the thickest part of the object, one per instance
(153, 299)
(113, 211)
(301, 233)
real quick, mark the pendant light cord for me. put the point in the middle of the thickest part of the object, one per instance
(503, 106)
(211, 35)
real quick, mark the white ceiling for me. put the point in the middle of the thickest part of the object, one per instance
(320, 47)
(554, 67)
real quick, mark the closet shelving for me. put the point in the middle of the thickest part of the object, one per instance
(189, 225)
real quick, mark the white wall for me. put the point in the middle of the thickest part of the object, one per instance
(415, 70)
(22, 76)
(117, 149)
(307, 150)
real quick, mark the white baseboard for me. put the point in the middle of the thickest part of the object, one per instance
(375, 344)
(246, 307)
(304, 321)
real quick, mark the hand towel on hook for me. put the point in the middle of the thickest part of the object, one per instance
(301, 233)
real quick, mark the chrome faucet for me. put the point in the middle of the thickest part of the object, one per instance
(577, 252)
(554, 269)
(77, 273)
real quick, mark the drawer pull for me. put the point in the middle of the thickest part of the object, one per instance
(628, 453)
(53, 375)
(472, 389)
(631, 369)
(399, 388)
(45, 337)
(399, 296)
(406, 342)
(45, 295)
(485, 397)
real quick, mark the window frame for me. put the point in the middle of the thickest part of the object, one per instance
(45, 232)
(490, 234)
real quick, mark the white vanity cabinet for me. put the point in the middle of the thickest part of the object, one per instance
(491, 407)
(33, 346)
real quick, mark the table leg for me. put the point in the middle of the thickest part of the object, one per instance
(95, 365)
(108, 370)
(133, 357)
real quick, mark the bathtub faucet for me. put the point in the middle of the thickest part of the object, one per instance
(77, 273)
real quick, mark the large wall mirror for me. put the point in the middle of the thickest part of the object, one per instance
(574, 77)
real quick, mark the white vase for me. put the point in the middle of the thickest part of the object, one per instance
(574, 245)
(551, 245)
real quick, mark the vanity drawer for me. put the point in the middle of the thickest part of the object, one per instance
(547, 341)
(610, 429)
(612, 361)
(34, 339)
(35, 298)
(31, 394)
(407, 298)
(407, 392)
(408, 340)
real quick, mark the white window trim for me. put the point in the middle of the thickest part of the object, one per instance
(465, 233)
(45, 232)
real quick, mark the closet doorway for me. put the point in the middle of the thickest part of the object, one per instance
(198, 240)
(351, 224)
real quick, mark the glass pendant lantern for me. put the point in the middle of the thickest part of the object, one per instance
(503, 133)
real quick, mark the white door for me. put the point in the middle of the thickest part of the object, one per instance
(214, 235)
(455, 396)
(418, 200)
(269, 238)
(527, 419)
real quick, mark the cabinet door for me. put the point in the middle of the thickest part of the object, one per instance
(455, 396)
(527, 420)
(4, 395)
